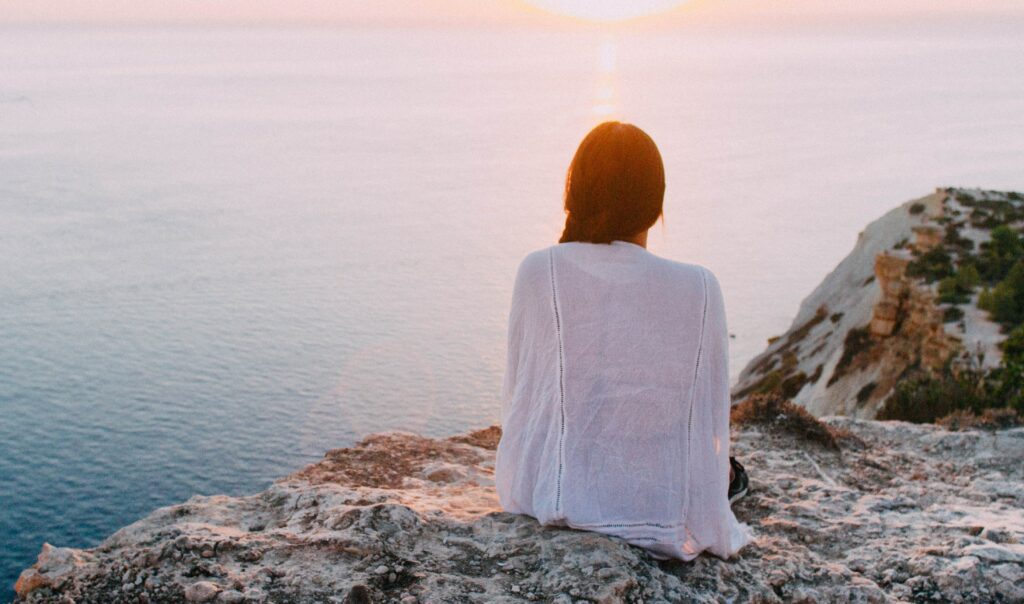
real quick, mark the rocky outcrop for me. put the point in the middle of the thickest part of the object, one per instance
(913, 307)
(899, 512)
(870, 321)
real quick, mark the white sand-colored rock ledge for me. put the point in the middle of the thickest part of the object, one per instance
(901, 513)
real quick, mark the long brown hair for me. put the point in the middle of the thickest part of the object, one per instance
(615, 186)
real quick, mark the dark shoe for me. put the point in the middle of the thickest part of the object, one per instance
(740, 483)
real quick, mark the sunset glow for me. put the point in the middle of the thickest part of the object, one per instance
(607, 10)
(606, 102)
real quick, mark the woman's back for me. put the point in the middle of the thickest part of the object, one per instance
(615, 413)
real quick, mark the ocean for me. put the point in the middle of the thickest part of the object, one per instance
(227, 250)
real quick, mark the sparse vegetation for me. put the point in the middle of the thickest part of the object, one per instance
(778, 413)
(932, 265)
(865, 393)
(924, 397)
(800, 333)
(857, 340)
(785, 379)
(989, 419)
(957, 288)
(991, 213)
(955, 240)
(958, 267)
(1006, 301)
(1000, 254)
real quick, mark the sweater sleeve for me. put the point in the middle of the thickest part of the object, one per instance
(710, 521)
(516, 320)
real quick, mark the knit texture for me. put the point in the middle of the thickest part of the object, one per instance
(615, 410)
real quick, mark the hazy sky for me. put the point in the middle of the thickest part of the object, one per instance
(476, 11)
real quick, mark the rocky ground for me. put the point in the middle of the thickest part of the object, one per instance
(899, 512)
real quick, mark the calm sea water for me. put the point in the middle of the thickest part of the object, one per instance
(225, 251)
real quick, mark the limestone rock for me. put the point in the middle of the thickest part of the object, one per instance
(869, 321)
(899, 512)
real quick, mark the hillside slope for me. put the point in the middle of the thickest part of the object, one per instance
(874, 317)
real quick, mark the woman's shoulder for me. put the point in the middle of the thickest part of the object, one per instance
(687, 270)
(693, 275)
(536, 265)
(534, 269)
(536, 261)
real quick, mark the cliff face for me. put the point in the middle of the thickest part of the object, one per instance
(869, 321)
(900, 512)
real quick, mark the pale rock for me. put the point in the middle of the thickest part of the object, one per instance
(863, 535)
(201, 591)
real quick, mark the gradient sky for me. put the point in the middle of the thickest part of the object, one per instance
(477, 11)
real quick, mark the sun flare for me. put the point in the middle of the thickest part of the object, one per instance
(606, 10)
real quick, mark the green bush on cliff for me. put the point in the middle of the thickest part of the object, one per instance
(1005, 302)
(932, 265)
(955, 240)
(957, 288)
(1013, 345)
(924, 397)
(999, 254)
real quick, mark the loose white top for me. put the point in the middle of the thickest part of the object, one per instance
(615, 412)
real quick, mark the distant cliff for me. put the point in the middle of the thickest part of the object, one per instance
(889, 511)
(905, 301)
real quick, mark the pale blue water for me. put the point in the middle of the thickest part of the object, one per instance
(226, 251)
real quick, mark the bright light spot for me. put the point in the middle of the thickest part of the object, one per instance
(606, 104)
(604, 110)
(607, 10)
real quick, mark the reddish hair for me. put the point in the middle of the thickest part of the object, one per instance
(615, 186)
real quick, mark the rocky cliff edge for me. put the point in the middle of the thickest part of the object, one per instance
(895, 512)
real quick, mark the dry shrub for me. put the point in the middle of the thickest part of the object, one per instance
(989, 419)
(486, 438)
(781, 414)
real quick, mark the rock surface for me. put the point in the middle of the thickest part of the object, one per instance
(900, 512)
(868, 321)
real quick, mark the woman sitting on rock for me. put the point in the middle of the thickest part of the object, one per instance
(616, 397)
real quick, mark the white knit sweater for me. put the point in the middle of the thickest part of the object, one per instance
(615, 413)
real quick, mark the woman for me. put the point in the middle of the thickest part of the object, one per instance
(616, 397)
